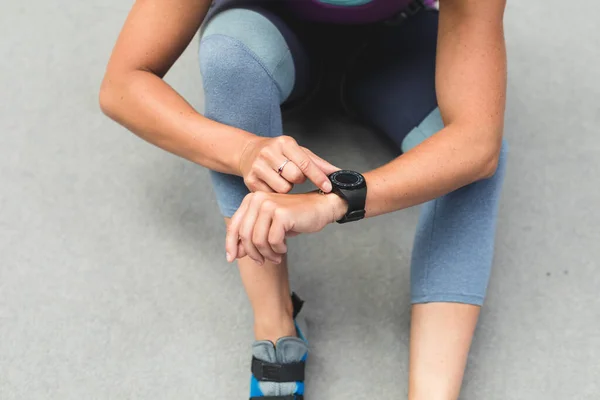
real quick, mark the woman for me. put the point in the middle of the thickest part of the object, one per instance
(434, 83)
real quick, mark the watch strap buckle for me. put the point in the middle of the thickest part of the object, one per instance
(352, 216)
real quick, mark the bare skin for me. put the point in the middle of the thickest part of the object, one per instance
(268, 289)
(440, 338)
(471, 88)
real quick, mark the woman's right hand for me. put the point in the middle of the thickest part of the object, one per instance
(262, 158)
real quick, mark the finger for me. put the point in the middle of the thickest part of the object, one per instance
(257, 185)
(241, 251)
(275, 181)
(260, 236)
(308, 167)
(263, 187)
(323, 165)
(292, 173)
(247, 228)
(233, 237)
(277, 236)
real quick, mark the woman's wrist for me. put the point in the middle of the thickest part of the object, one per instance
(247, 142)
(338, 207)
(217, 146)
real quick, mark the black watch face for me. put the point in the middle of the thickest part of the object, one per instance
(347, 179)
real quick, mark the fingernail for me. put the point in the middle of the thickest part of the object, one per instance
(228, 257)
(327, 186)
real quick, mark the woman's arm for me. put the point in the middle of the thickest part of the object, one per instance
(471, 92)
(133, 93)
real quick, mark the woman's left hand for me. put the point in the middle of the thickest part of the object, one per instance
(259, 227)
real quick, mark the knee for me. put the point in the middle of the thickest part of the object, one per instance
(428, 127)
(226, 65)
(241, 50)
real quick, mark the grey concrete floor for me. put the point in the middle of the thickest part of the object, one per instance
(113, 280)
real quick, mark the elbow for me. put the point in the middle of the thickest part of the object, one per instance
(106, 98)
(483, 143)
(489, 158)
(489, 166)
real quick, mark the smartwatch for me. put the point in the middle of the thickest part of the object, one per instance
(352, 187)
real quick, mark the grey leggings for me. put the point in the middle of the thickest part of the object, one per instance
(251, 64)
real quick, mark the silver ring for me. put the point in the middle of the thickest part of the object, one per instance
(282, 166)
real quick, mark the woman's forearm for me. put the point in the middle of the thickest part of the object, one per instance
(445, 162)
(471, 94)
(150, 108)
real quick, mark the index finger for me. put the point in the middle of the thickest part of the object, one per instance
(303, 161)
(323, 165)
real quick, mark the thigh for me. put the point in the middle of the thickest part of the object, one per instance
(391, 86)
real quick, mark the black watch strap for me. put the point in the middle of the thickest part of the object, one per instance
(356, 204)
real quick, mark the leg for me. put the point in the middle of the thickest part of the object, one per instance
(437, 361)
(269, 292)
(453, 249)
(452, 260)
(248, 71)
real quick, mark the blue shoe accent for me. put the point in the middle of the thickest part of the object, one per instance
(299, 332)
(255, 388)
(299, 388)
